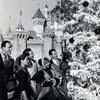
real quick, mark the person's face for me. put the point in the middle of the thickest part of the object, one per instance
(8, 48)
(46, 64)
(31, 55)
(25, 62)
(54, 55)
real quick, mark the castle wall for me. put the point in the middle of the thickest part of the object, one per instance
(37, 49)
(37, 46)
(15, 48)
(22, 45)
(38, 28)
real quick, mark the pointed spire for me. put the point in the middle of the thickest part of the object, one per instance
(1, 36)
(46, 6)
(9, 31)
(20, 26)
(38, 5)
(20, 15)
(9, 20)
(9, 28)
(46, 11)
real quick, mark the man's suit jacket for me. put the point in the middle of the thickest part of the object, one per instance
(56, 68)
(7, 70)
(5, 73)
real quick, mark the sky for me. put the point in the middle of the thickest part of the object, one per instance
(13, 7)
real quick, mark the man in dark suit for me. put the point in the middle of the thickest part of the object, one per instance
(6, 67)
(55, 62)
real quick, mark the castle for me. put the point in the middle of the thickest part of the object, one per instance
(46, 34)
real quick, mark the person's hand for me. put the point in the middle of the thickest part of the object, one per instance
(54, 81)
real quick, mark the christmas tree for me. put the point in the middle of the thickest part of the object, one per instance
(82, 28)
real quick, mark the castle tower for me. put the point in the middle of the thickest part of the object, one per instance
(47, 42)
(46, 12)
(8, 34)
(19, 43)
(19, 40)
(38, 22)
(58, 28)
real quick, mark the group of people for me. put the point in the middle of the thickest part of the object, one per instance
(44, 79)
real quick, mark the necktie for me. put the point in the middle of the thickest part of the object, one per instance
(5, 60)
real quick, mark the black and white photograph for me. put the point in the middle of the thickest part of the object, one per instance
(49, 49)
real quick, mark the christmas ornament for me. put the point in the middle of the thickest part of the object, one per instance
(67, 55)
(85, 4)
(71, 40)
(86, 47)
(97, 31)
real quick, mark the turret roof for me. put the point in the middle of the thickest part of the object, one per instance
(46, 6)
(32, 33)
(38, 14)
(9, 30)
(20, 26)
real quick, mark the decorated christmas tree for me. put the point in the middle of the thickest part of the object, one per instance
(82, 28)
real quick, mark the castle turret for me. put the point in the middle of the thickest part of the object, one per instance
(47, 42)
(20, 43)
(38, 22)
(46, 12)
(58, 31)
(19, 40)
(8, 34)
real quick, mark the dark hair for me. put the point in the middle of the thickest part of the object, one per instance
(39, 77)
(64, 66)
(67, 55)
(50, 51)
(46, 59)
(3, 44)
(40, 62)
(23, 56)
(17, 64)
(26, 50)
(18, 61)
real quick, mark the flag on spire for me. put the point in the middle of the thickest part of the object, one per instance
(20, 13)
(9, 20)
